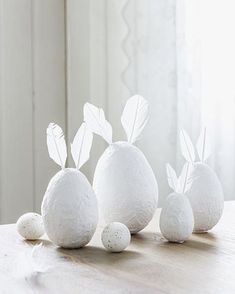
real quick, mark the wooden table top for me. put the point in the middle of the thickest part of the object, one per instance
(203, 264)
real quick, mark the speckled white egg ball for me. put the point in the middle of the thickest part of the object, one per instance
(30, 226)
(116, 237)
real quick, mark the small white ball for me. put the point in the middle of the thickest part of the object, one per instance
(30, 226)
(116, 237)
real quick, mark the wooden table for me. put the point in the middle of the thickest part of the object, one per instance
(203, 264)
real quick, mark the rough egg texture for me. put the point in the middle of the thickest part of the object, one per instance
(125, 186)
(30, 226)
(206, 197)
(176, 220)
(69, 209)
(116, 237)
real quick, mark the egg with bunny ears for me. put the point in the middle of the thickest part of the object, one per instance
(206, 193)
(176, 219)
(69, 207)
(124, 182)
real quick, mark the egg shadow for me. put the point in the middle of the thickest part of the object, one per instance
(196, 241)
(44, 242)
(199, 244)
(154, 240)
(206, 235)
(143, 237)
(97, 255)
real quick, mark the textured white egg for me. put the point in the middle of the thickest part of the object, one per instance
(30, 226)
(176, 220)
(206, 197)
(125, 186)
(116, 237)
(69, 209)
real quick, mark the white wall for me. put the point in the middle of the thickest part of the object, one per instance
(32, 93)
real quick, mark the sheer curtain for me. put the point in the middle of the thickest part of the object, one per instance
(208, 48)
(176, 53)
(117, 49)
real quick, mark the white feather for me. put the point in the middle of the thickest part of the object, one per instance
(81, 146)
(95, 120)
(185, 179)
(187, 148)
(34, 266)
(171, 177)
(134, 117)
(56, 144)
(31, 265)
(203, 146)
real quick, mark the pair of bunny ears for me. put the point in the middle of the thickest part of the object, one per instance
(183, 183)
(134, 118)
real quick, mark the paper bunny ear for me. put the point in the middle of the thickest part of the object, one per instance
(81, 146)
(56, 144)
(171, 177)
(187, 148)
(95, 120)
(185, 179)
(134, 117)
(184, 182)
(203, 146)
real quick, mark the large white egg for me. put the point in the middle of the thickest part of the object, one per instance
(206, 197)
(125, 186)
(69, 209)
(176, 219)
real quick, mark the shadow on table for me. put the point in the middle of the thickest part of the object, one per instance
(44, 242)
(148, 237)
(97, 255)
(204, 242)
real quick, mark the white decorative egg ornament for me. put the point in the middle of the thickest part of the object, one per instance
(69, 207)
(205, 194)
(116, 237)
(176, 219)
(30, 226)
(124, 182)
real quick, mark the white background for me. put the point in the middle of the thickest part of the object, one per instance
(55, 55)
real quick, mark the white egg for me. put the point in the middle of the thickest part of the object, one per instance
(176, 220)
(30, 226)
(69, 209)
(125, 186)
(116, 237)
(206, 197)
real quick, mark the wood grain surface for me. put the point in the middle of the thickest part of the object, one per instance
(203, 264)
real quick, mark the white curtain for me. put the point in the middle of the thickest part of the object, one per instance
(178, 56)
(207, 28)
(127, 47)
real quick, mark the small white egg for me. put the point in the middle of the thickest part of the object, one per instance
(116, 237)
(176, 219)
(30, 226)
